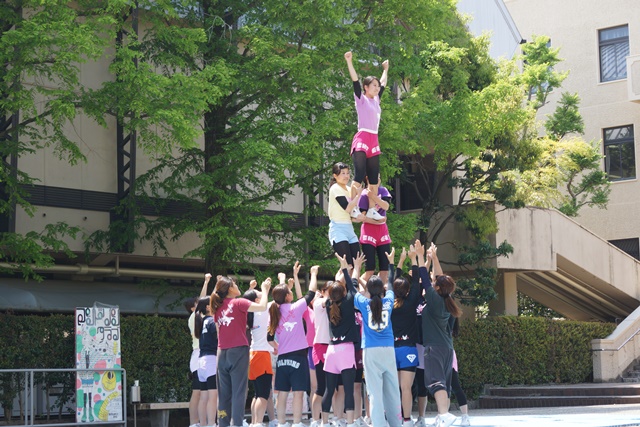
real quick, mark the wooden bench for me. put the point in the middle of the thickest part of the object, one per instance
(159, 415)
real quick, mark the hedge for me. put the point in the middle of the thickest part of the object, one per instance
(156, 350)
(511, 350)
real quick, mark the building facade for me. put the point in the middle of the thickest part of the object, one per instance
(599, 43)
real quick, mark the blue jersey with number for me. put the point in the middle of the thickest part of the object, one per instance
(376, 334)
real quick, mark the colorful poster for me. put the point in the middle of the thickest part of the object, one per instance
(98, 391)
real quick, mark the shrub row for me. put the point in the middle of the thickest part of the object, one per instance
(156, 350)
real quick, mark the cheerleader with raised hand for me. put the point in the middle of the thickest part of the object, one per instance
(405, 330)
(230, 314)
(292, 367)
(380, 370)
(436, 333)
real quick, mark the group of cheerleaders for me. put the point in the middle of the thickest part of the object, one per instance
(389, 331)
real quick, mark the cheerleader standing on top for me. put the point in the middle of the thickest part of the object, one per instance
(365, 149)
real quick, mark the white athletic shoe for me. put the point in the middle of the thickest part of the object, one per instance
(315, 423)
(273, 423)
(373, 214)
(342, 423)
(360, 422)
(465, 421)
(367, 420)
(298, 425)
(245, 423)
(420, 422)
(355, 212)
(408, 423)
(445, 420)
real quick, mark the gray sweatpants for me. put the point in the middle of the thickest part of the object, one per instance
(381, 376)
(233, 376)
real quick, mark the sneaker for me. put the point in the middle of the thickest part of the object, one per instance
(342, 423)
(445, 420)
(373, 214)
(273, 423)
(367, 420)
(465, 420)
(284, 425)
(245, 423)
(360, 422)
(408, 423)
(420, 422)
(298, 425)
(315, 423)
(355, 212)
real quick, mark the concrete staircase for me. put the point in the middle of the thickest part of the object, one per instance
(632, 375)
(560, 395)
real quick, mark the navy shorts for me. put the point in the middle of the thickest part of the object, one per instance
(292, 371)
(407, 358)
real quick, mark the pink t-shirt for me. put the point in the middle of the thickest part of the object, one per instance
(310, 320)
(290, 332)
(323, 336)
(231, 318)
(369, 111)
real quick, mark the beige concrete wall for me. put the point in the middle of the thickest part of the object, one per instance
(573, 27)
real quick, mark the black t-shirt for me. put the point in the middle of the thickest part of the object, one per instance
(208, 337)
(347, 330)
(404, 319)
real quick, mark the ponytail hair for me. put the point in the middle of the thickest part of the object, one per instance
(446, 286)
(189, 304)
(337, 293)
(201, 311)
(252, 296)
(220, 292)
(375, 287)
(335, 170)
(401, 287)
(279, 294)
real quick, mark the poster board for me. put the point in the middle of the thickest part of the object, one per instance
(98, 391)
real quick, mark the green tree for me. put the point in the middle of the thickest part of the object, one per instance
(286, 115)
(42, 48)
(469, 130)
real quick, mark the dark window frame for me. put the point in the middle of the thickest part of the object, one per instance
(618, 143)
(612, 42)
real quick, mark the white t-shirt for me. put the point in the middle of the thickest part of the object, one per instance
(259, 331)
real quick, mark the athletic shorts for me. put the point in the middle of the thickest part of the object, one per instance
(407, 358)
(341, 232)
(292, 372)
(262, 386)
(374, 235)
(367, 142)
(207, 372)
(259, 364)
(319, 353)
(438, 362)
(340, 357)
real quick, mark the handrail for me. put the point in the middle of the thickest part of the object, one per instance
(621, 345)
(29, 391)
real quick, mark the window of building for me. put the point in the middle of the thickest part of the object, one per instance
(619, 152)
(630, 246)
(614, 49)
